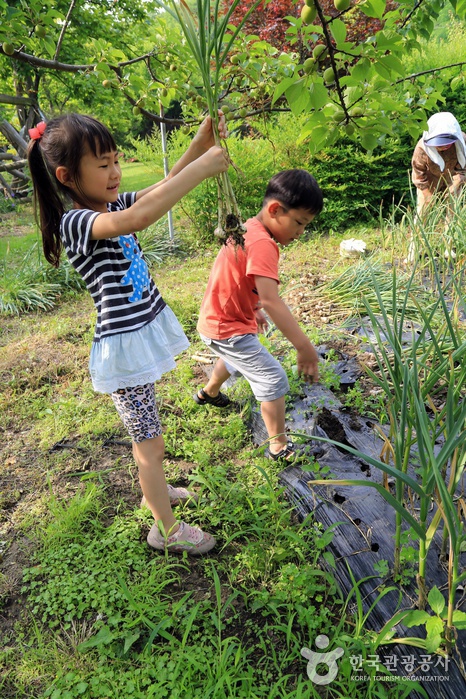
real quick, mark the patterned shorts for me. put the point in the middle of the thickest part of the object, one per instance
(137, 409)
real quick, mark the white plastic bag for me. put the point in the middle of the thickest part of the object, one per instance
(352, 247)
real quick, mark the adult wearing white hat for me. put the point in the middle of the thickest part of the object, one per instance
(439, 159)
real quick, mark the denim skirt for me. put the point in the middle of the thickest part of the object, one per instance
(139, 357)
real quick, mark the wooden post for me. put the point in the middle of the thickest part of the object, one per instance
(13, 137)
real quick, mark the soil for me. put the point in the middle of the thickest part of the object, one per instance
(34, 361)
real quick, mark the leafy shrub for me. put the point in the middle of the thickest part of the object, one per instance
(359, 186)
(156, 243)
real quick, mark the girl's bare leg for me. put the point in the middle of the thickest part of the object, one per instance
(148, 456)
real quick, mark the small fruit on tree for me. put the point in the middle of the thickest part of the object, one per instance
(234, 59)
(309, 66)
(342, 5)
(338, 116)
(356, 112)
(243, 112)
(40, 31)
(308, 14)
(185, 129)
(106, 83)
(136, 110)
(173, 67)
(319, 52)
(349, 129)
(329, 76)
(8, 48)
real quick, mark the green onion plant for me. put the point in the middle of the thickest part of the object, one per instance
(425, 450)
(210, 36)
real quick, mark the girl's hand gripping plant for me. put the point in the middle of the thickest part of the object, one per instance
(210, 38)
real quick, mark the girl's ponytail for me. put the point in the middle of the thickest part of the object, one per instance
(48, 203)
(61, 143)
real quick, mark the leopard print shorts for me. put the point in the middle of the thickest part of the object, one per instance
(137, 409)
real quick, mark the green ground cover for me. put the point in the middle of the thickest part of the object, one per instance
(136, 176)
(88, 610)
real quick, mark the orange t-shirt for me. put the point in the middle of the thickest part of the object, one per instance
(231, 296)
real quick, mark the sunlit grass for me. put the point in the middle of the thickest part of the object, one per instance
(136, 176)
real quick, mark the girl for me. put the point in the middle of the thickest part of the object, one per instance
(75, 172)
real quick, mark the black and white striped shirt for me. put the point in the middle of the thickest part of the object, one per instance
(123, 292)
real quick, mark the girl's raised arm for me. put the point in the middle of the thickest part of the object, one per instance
(157, 201)
(202, 141)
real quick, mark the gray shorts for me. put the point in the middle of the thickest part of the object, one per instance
(245, 355)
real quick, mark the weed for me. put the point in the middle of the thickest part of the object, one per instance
(370, 403)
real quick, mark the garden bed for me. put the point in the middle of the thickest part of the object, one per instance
(363, 526)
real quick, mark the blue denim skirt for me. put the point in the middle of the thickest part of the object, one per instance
(137, 358)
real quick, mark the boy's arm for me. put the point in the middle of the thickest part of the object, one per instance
(279, 312)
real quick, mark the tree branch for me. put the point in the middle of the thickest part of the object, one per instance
(331, 53)
(67, 67)
(408, 17)
(64, 28)
(15, 99)
(426, 72)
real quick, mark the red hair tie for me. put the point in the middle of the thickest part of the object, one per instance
(36, 133)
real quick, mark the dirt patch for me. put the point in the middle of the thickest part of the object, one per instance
(9, 226)
(35, 361)
(15, 559)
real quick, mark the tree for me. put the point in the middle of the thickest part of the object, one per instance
(357, 85)
(269, 19)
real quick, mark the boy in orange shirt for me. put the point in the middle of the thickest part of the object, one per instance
(241, 284)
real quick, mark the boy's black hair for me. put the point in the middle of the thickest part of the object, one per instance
(295, 189)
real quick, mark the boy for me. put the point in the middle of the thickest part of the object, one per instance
(241, 283)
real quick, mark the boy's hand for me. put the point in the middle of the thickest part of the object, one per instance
(308, 364)
(261, 319)
(214, 161)
(204, 139)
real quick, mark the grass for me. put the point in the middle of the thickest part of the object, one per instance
(17, 246)
(102, 616)
(136, 176)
